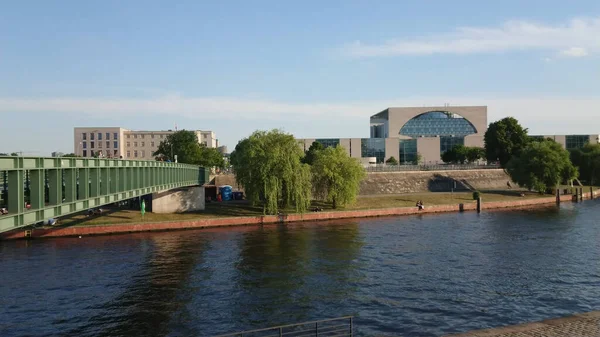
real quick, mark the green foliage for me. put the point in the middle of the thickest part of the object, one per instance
(3, 154)
(541, 166)
(460, 154)
(504, 139)
(71, 155)
(184, 144)
(476, 195)
(336, 176)
(587, 159)
(392, 161)
(309, 157)
(418, 158)
(14, 154)
(267, 164)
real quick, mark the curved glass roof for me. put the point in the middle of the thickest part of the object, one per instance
(438, 123)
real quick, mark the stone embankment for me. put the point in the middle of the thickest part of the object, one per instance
(271, 219)
(586, 324)
(415, 182)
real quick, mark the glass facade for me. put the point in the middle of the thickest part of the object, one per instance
(328, 142)
(576, 141)
(408, 151)
(437, 123)
(448, 142)
(373, 147)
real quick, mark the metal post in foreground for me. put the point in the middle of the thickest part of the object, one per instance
(592, 192)
(479, 205)
(558, 196)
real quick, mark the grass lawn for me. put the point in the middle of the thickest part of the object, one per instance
(243, 208)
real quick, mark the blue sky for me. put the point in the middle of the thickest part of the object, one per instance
(312, 68)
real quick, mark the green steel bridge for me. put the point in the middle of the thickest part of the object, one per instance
(56, 187)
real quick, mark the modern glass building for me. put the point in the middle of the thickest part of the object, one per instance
(426, 133)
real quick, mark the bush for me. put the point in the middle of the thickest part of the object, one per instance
(476, 195)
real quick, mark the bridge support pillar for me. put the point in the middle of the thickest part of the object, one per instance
(55, 187)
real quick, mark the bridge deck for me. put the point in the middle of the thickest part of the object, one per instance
(580, 325)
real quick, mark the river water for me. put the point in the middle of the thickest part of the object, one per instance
(412, 276)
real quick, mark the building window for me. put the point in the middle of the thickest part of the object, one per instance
(161, 136)
(205, 136)
(576, 141)
(91, 145)
(84, 136)
(438, 123)
(135, 136)
(115, 136)
(108, 136)
(143, 154)
(99, 145)
(143, 144)
(107, 145)
(152, 144)
(143, 136)
(373, 147)
(85, 145)
(128, 154)
(332, 142)
(128, 144)
(92, 153)
(115, 153)
(128, 136)
(99, 136)
(85, 153)
(115, 144)
(448, 142)
(408, 151)
(152, 136)
(92, 136)
(135, 153)
(134, 144)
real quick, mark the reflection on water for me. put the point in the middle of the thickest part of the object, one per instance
(410, 276)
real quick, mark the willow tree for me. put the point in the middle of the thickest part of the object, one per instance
(336, 176)
(268, 165)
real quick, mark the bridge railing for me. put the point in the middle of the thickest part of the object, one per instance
(38, 188)
(335, 327)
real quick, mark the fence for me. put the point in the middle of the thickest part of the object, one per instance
(428, 167)
(335, 327)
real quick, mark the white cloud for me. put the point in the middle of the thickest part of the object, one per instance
(551, 115)
(511, 36)
(574, 52)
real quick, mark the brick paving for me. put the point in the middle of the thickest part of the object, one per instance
(580, 325)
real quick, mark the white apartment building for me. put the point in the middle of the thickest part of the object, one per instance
(116, 142)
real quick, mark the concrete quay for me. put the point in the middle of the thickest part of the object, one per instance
(578, 325)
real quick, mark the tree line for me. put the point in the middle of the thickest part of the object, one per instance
(277, 174)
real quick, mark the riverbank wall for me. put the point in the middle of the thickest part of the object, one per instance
(273, 219)
(401, 182)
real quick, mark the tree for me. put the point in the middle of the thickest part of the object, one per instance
(336, 176)
(183, 144)
(587, 159)
(3, 154)
(267, 164)
(14, 154)
(456, 155)
(391, 161)
(504, 139)
(542, 166)
(418, 158)
(71, 155)
(309, 157)
(475, 153)
(210, 157)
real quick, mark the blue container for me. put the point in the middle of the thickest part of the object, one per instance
(226, 193)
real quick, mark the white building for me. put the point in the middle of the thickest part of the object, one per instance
(115, 142)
